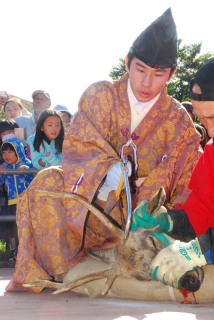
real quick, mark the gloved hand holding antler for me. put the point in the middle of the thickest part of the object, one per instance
(142, 219)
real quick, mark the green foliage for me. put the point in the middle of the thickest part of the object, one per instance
(189, 62)
(117, 71)
(2, 246)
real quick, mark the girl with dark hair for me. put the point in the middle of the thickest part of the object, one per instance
(45, 145)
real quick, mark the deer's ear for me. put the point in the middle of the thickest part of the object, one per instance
(157, 201)
(106, 255)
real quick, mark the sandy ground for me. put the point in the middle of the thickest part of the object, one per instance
(72, 306)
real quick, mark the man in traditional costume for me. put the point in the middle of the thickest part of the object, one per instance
(133, 117)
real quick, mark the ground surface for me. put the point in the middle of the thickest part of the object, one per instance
(72, 306)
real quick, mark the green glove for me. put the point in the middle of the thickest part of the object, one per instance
(159, 220)
(172, 262)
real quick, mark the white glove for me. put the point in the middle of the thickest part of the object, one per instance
(172, 262)
(112, 180)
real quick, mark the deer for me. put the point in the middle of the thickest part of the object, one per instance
(128, 258)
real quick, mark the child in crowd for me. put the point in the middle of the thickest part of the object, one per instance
(66, 116)
(13, 154)
(7, 128)
(45, 145)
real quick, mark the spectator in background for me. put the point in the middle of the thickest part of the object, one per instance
(204, 136)
(41, 102)
(3, 98)
(45, 145)
(189, 108)
(66, 116)
(7, 129)
(203, 132)
(13, 154)
(13, 108)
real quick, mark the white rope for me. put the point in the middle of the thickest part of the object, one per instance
(131, 144)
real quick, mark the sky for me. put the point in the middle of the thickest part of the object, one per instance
(63, 46)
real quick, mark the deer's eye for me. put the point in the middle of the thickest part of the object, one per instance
(155, 243)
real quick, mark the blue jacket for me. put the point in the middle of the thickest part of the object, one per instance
(15, 184)
(53, 159)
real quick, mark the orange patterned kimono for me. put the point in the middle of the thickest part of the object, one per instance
(51, 229)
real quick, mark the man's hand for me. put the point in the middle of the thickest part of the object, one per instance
(173, 262)
(3, 168)
(159, 220)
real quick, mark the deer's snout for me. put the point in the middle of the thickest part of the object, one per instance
(192, 280)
